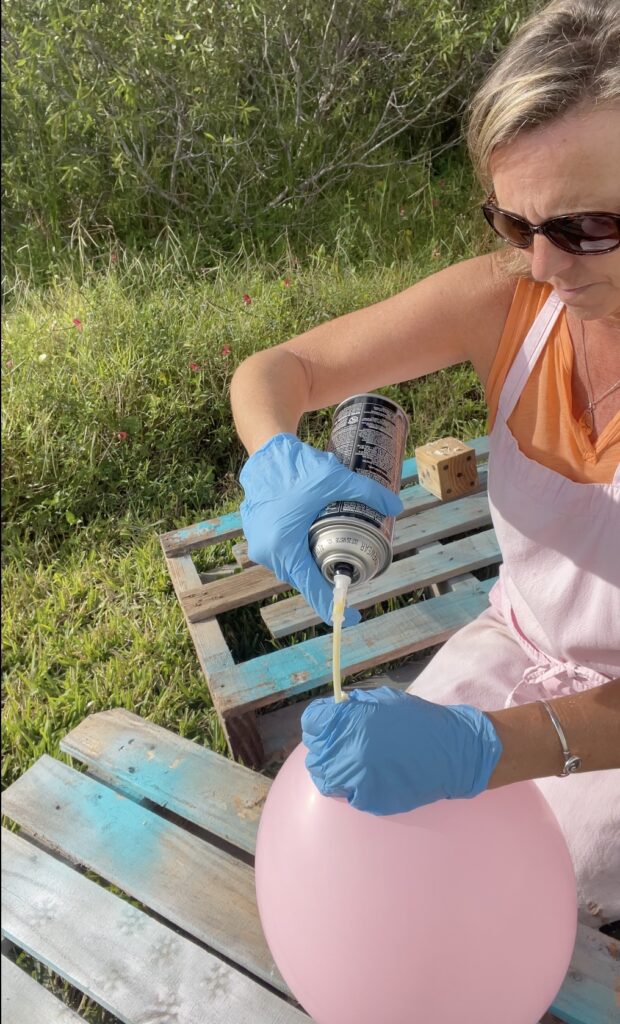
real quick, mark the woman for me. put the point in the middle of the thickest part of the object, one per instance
(531, 689)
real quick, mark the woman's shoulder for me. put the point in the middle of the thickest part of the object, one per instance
(485, 293)
(455, 314)
(496, 283)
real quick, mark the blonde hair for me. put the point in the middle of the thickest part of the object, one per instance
(564, 57)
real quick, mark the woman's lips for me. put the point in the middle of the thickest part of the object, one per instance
(571, 292)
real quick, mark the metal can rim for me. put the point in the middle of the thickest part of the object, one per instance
(373, 394)
(368, 532)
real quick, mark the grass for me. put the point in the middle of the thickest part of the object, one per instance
(117, 427)
(117, 437)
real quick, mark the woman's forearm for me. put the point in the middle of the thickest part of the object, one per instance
(531, 746)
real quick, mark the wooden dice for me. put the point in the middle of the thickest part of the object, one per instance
(447, 468)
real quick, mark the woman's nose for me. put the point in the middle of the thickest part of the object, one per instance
(547, 261)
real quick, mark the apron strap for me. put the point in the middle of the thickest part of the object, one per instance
(528, 355)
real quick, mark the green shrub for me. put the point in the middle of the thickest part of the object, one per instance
(124, 120)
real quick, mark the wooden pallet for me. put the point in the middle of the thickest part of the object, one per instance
(437, 546)
(172, 826)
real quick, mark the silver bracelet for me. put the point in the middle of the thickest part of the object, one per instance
(571, 762)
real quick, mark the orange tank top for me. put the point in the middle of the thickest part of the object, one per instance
(543, 422)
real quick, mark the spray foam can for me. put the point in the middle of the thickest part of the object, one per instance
(369, 434)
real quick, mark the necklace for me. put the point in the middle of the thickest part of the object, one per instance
(587, 417)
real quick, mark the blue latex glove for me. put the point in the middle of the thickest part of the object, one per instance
(286, 484)
(388, 751)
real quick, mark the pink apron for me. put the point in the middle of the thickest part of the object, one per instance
(553, 627)
(559, 588)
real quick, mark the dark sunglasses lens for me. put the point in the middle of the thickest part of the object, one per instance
(513, 230)
(590, 234)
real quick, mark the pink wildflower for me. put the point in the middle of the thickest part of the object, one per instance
(78, 324)
(286, 282)
(247, 300)
(122, 435)
(194, 366)
(226, 350)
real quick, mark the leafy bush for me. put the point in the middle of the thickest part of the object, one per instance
(124, 119)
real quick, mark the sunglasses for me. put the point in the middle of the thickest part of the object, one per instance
(583, 234)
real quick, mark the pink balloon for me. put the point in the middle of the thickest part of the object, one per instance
(461, 912)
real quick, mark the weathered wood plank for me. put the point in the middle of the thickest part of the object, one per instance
(459, 516)
(135, 967)
(214, 655)
(441, 562)
(462, 582)
(240, 554)
(253, 584)
(258, 583)
(304, 667)
(211, 647)
(244, 740)
(226, 527)
(209, 531)
(590, 993)
(148, 762)
(417, 500)
(204, 890)
(218, 573)
(183, 573)
(24, 1001)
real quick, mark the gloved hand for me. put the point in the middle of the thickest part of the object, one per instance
(388, 751)
(287, 483)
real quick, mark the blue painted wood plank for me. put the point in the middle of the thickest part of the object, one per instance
(135, 967)
(209, 531)
(590, 993)
(308, 665)
(225, 527)
(202, 889)
(148, 762)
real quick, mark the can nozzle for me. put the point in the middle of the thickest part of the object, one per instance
(342, 582)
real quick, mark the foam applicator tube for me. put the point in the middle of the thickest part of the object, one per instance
(341, 589)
